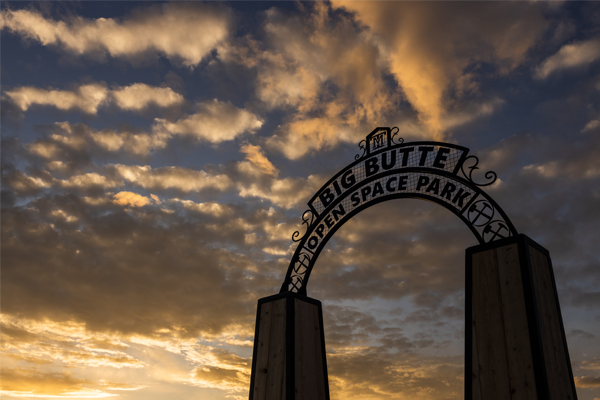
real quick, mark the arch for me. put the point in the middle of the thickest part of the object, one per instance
(388, 169)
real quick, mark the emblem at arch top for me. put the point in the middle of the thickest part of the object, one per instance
(379, 139)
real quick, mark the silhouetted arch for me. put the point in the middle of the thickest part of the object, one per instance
(391, 169)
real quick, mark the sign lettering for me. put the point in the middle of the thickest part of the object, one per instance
(388, 170)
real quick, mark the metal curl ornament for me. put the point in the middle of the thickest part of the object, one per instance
(490, 175)
(306, 222)
(362, 145)
(393, 134)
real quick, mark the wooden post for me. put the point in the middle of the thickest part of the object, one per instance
(288, 361)
(515, 345)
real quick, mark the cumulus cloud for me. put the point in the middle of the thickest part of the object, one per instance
(90, 180)
(303, 135)
(210, 208)
(117, 175)
(140, 95)
(215, 122)
(342, 74)
(88, 98)
(570, 56)
(180, 31)
(138, 143)
(164, 178)
(130, 199)
(257, 158)
(319, 65)
(587, 381)
(287, 192)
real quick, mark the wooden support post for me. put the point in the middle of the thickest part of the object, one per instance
(288, 361)
(515, 345)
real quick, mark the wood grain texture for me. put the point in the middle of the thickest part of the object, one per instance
(515, 306)
(489, 327)
(270, 356)
(516, 329)
(553, 344)
(476, 387)
(310, 374)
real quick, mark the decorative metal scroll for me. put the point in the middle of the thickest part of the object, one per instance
(389, 168)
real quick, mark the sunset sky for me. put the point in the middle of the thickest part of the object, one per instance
(157, 158)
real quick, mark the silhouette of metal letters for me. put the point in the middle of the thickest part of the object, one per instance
(389, 169)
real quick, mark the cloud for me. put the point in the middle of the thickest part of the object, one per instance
(316, 66)
(140, 95)
(164, 178)
(179, 31)
(139, 247)
(138, 143)
(587, 381)
(73, 143)
(570, 56)
(67, 343)
(21, 182)
(117, 175)
(286, 193)
(130, 199)
(210, 208)
(90, 180)
(88, 98)
(593, 124)
(256, 157)
(215, 122)
(338, 74)
(35, 383)
(585, 166)
(303, 135)
(429, 49)
(237, 379)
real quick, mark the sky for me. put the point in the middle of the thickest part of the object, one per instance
(157, 158)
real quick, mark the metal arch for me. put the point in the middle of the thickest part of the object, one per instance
(326, 213)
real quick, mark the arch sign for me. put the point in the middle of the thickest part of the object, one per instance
(389, 169)
(515, 343)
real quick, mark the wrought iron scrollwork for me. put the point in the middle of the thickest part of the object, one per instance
(305, 221)
(362, 145)
(393, 134)
(490, 175)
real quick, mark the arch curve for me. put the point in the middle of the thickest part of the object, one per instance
(391, 169)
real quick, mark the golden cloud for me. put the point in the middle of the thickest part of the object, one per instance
(164, 178)
(427, 49)
(177, 30)
(257, 158)
(86, 98)
(215, 122)
(130, 199)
